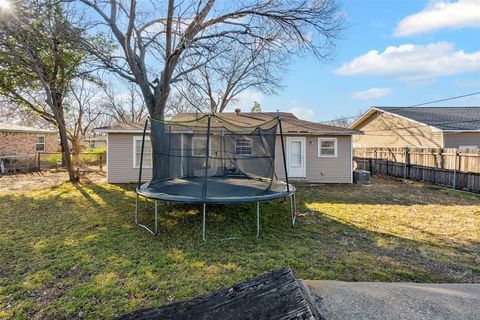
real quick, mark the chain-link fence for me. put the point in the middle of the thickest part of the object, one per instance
(85, 161)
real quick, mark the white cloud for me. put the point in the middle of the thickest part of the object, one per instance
(413, 62)
(303, 113)
(371, 93)
(466, 84)
(244, 100)
(441, 14)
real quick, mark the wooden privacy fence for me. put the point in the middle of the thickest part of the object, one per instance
(457, 168)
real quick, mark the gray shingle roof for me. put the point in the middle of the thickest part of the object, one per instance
(445, 118)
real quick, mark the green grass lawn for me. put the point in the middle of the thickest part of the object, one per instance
(85, 157)
(72, 251)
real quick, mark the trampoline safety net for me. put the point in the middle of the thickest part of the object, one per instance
(210, 157)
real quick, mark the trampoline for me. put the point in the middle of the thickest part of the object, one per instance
(211, 160)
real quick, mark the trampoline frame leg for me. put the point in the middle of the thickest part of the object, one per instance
(258, 219)
(203, 221)
(293, 208)
(156, 216)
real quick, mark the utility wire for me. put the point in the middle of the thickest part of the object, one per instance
(412, 106)
(403, 128)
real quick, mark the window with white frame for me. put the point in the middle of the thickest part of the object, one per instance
(137, 152)
(243, 146)
(199, 146)
(40, 142)
(327, 147)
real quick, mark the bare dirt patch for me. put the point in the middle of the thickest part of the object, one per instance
(44, 179)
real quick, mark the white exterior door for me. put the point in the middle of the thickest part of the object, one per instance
(296, 157)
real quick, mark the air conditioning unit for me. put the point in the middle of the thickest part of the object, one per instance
(361, 176)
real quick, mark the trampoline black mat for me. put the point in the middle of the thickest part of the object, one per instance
(218, 190)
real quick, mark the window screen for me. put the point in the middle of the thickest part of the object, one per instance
(199, 146)
(40, 144)
(327, 147)
(243, 146)
(295, 153)
(147, 153)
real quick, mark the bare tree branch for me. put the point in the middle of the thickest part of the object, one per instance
(157, 41)
(39, 54)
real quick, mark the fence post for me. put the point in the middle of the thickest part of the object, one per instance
(38, 161)
(101, 162)
(405, 151)
(387, 156)
(454, 184)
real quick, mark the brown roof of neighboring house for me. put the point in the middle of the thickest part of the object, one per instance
(5, 127)
(290, 123)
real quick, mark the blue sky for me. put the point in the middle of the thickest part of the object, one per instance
(434, 53)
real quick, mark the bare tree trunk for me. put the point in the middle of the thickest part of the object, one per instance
(40, 53)
(76, 145)
(160, 102)
(62, 131)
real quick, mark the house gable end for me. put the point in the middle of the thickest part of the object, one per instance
(386, 129)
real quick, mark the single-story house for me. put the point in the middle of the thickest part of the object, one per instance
(94, 141)
(23, 140)
(423, 127)
(315, 153)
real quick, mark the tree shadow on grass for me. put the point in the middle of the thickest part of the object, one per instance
(81, 247)
(389, 191)
(397, 258)
(440, 261)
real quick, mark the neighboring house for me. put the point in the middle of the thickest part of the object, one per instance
(94, 141)
(314, 152)
(22, 140)
(426, 127)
